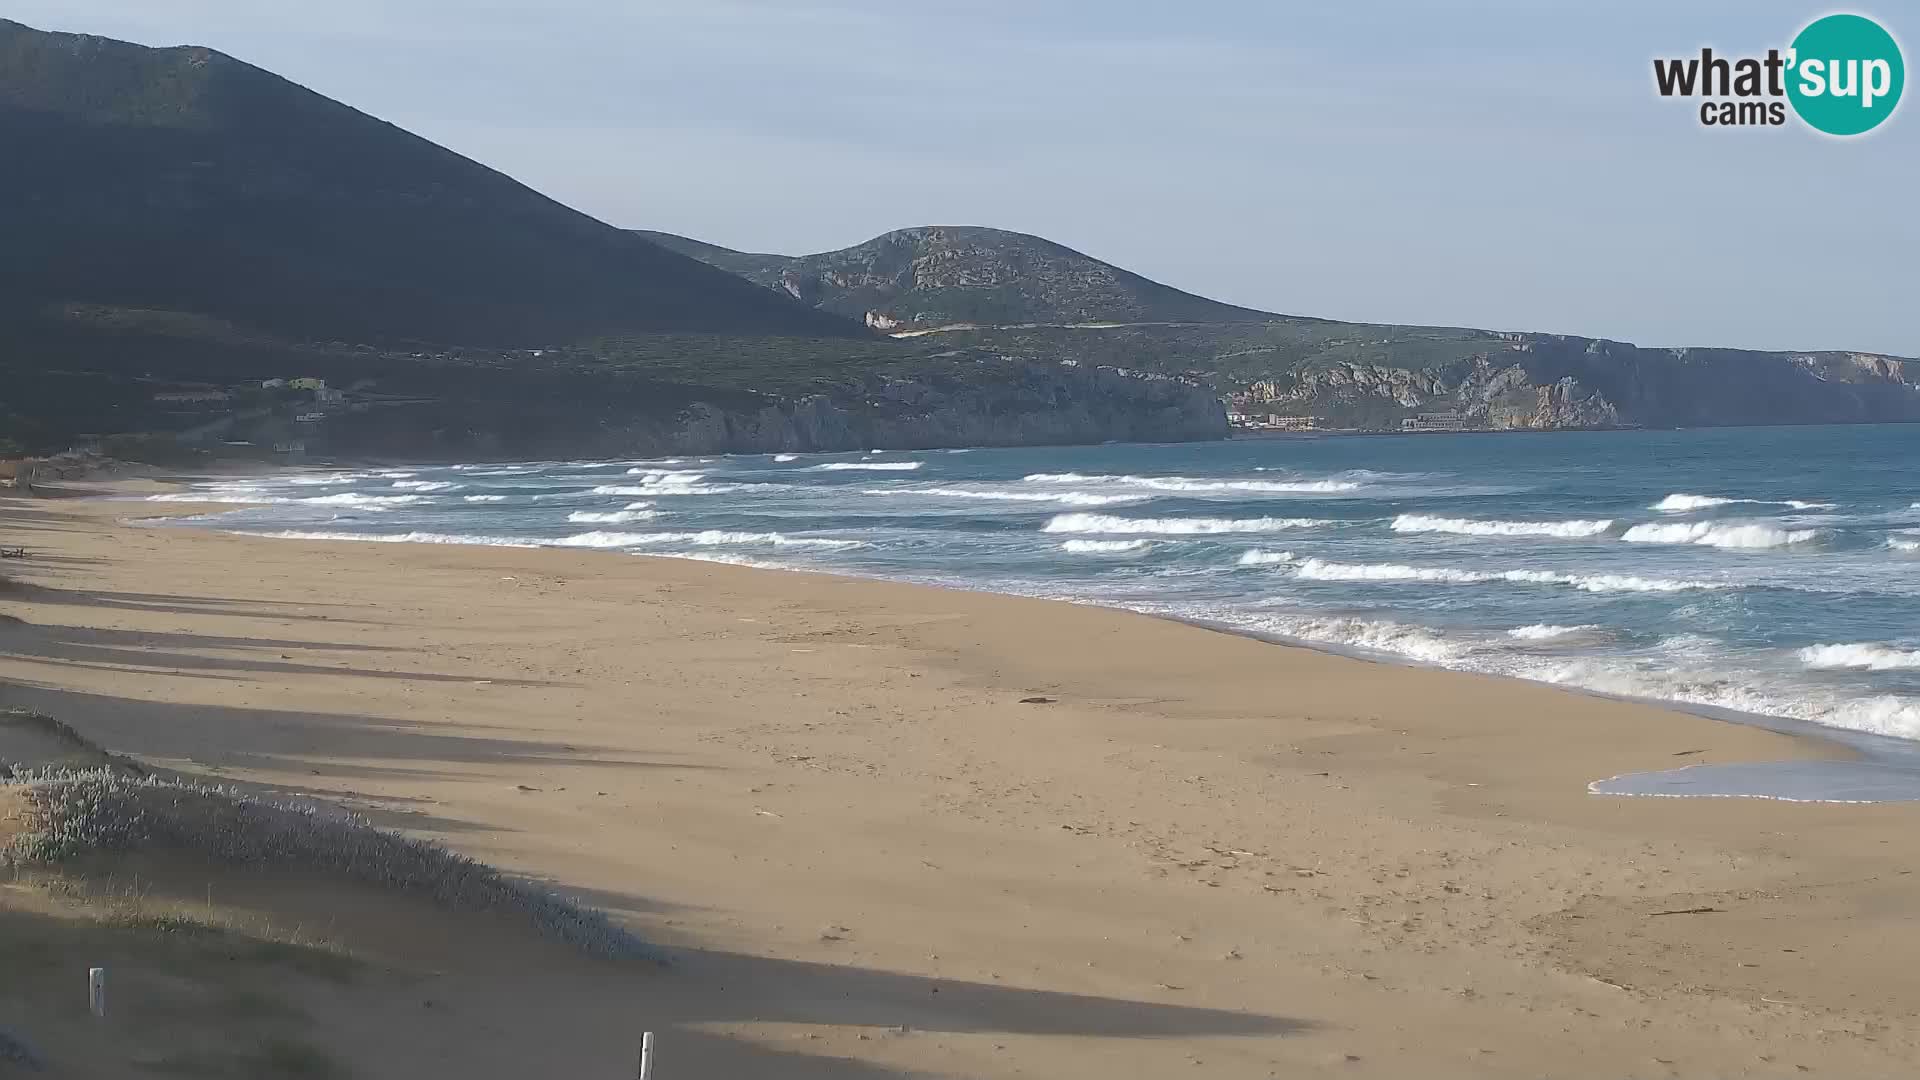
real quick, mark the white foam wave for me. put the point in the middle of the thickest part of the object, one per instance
(1882, 715)
(250, 497)
(666, 476)
(1103, 523)
(868, 466)
(673, 489)
(1322, 570)
(1681, 502)
(1105, 547)
(485, 498)
(1413, 642)
(1720, 534)
(1197, 485)
(1738, 691)
(329, 479)
(427, 485)
(1734, 690)
(1549, 631)
(348, 498)
(608, 517)
(1866, 656)
(1256, 557)
(1426, 523)
(725, 558)
(1064, 498)
(400, 538)
(786, 457)
(704, 538)
(1901, 543)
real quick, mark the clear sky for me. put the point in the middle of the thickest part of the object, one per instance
(1491, 163)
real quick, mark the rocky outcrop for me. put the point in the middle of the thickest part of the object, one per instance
(1545, 382)
(1487, 393)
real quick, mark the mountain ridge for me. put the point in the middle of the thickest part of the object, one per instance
(183, 227)
(183, 179)
(933, 275)
(1280, 370)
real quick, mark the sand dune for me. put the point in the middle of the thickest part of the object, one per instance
(867, 856)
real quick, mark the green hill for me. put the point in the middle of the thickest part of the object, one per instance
(939, 275)
(183, 180)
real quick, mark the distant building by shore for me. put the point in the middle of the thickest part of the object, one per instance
(1246, 422)
(1440, 421)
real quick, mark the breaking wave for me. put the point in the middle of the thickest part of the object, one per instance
(868, 466)
(1256, 557)
(401, 538)
(1191, 484)
(1550, 631)
(236, 495)
(1681, 502)
(704, 538)
(675, 488)
(426, 485)
(1322, 570)
(348, 498)
(1426, 523)
(1399, 639)
(1105, 547)
(1103, 523)
(1860, 657)
(608, 517)
(1066, 498)
(485, 498)
(1719, 534)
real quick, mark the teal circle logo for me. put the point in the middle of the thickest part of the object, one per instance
(1845, 74)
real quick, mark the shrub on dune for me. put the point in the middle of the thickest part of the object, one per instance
(75, 813)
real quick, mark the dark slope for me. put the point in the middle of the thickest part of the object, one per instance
(943, 274)
(181, 179)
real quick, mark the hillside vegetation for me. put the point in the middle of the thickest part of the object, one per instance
(184, 180)
(938, 275)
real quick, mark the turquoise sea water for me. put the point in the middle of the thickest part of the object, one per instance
(1769, 572)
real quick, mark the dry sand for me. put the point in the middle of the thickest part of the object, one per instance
(1200, 855)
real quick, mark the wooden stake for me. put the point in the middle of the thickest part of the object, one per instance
(646, 1055)
(97, 991)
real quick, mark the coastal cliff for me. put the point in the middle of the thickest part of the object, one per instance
(1546, 383)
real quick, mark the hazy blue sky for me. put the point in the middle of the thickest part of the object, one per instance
(1493, 163)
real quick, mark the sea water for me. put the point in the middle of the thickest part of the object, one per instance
(1768, 574)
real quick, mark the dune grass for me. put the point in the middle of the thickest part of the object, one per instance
(75, 813)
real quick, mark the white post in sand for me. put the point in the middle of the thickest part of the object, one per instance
(97, 991)
(646, 1055)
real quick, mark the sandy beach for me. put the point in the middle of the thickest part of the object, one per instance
(888, 830)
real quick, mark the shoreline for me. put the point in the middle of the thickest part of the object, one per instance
(885, 828)
(1837, 745)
